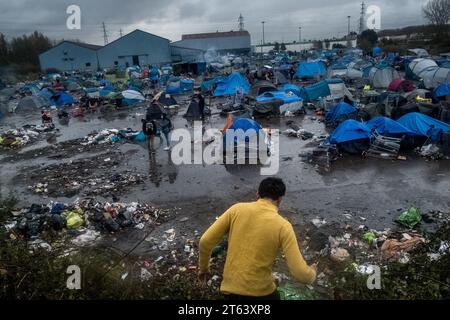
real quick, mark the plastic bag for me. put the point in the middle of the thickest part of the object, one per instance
(410, 218)
(74, 219)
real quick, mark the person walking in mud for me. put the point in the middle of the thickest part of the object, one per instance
(166, 127)
(255, 232)
(150, 129)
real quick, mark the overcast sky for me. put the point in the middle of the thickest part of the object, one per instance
(171, 18)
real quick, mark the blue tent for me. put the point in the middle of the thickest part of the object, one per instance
(311, 69)
(388, 127)
(45, 93)
(292, 88)
(350, 130)
(424, 125)
(316, 91)
(377, 51)
(244, 124)
(62, 98)
(442, 91)
(341, 112)
(231, 85)
(278, 95)
(186, 85)
(106, 90)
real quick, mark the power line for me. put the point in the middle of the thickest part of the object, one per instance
(105, 34)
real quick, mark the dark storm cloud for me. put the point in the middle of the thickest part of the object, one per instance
(171, 18)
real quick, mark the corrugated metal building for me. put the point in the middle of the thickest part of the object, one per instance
(70, 55)
(223, 42)
(136, 48)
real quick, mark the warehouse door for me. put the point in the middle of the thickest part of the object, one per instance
(136, 61)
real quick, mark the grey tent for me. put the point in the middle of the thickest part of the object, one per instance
(262, 87)
(31, 103)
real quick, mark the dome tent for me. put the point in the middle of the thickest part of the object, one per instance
(382, 75)
(351, 136)
(311, 70)
(341, 112)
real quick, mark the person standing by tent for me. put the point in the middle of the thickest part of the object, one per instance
(201, 105)
(46, 118)
(256, 232)
(166, 128)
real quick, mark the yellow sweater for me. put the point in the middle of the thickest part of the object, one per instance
(256, 232)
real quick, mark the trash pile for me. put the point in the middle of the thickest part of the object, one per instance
(113, 136)
(91, 176)
(88, 217)
(16, 138)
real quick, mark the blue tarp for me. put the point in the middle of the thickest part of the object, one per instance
(186, 85)
(388, 127)
(442, 91)
(377, 51)
(244, 124)
(350, 130)
(311, 69)
(341, 110)
(62, 98)
(292, 88)
(424, 125)
(278, 95)
(231, 85)
(45, 93)
(316, 91)
(106, 90)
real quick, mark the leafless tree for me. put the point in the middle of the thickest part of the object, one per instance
(437, 12)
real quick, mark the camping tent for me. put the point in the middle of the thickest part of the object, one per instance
(247, 126)
(262, 87)
(231, 85)
(351, 136)
(382, 75)
(442, 90)
(62, 99)
(417, 66)
(311, 70)
(289, 101)
(376, 51)
(133, 95)
(30, 103)
(341, 112)
(424, 125)
(420, 52)
(398, 85)
(292, 88)
(316, 91)
(388, 127)
(432, 78)
(338, 89)
(338, 69)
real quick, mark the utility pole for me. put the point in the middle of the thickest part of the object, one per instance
(121, 33)
(105, 35)
(241, 23)
(263, 39)
(348, 17)
(300, 38)
(362, 19)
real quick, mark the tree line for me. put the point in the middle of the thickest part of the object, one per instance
(24, 50)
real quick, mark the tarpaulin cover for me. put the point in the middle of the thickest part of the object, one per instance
(292, 88)
(350, 130)
(279, 95)
(316, 91)
(231, 85)
(311, 69)
(340, 110)
(133, 95)
(424, 125)
(62, 98)
(442, 91)
(244, 125)
(387, 126)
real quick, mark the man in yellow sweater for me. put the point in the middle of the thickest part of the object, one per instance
(256, 232)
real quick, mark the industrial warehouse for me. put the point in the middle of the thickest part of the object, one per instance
(140, 48)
